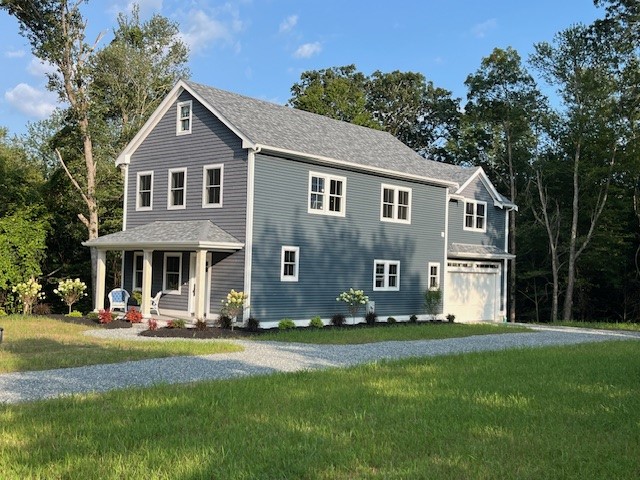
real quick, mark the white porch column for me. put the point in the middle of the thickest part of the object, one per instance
(145, 308)
(101, 273)
(201, 283)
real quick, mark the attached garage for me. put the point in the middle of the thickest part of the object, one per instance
(472, 290)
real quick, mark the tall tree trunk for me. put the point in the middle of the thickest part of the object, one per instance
(567, 310)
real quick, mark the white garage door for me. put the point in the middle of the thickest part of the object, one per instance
(472, 291)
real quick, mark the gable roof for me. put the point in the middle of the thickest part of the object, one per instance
(170, 235)
(268, 127)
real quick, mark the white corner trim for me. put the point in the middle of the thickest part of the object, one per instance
(248, 241)
(125, 172)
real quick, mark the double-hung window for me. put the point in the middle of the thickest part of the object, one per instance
(289, 264)
(176, 196)
(212, 186)
(395, 204)
(183, 121)
(172, 278)
(386, 275)
(434, 275)
(137, 271)
(144, 191)
(475, 216)
(327, 194)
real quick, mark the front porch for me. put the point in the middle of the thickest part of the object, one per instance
(199, 241)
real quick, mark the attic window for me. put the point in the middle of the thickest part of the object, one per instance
(183, 125)
(475, 216)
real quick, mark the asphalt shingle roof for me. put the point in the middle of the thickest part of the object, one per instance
(465, 250)
(278, 126)
(166, 234)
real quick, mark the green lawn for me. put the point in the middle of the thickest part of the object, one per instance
(561, 413)
(385, 333)
(38, 343)
(634, 327)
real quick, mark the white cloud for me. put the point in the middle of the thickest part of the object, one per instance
(308, 50)
(14, 53)
(203, 28)
(30, 101)
(147, 7)
(288, 24)
(480, 30)
(38, 68)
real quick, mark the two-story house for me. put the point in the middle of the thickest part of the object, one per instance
(228, 192)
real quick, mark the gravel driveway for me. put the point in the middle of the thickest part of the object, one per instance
(263, 358)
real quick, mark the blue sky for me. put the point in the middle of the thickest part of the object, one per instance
(259, 48)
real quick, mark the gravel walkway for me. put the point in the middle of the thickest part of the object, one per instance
(263, 358)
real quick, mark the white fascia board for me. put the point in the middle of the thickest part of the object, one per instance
(355, 166)
(497, 199)
(481, 256)
(172, 246)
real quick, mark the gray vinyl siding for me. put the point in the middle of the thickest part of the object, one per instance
(210, 142)
(337, 253)
(494, 234)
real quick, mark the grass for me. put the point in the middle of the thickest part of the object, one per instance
(39, 343)
(562, 413)
(634, 327)
(403, 331)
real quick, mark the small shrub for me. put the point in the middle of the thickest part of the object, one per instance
(413, 319)
(153, 324)
(93, 316)
(74, 314)
(253, 324)
(316, 322)
(371, 318)
(391, 320)
(137, 296)
(176, 323)
(133, 316)
(42, 309)
(201, 325)
(338, 320)
(104, 316)
(224, 321)
(432, 300)
(451, 318)
(286, 324)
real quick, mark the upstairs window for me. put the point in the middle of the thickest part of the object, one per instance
(395, 204)
(144, 194)
(386, 275)
(434, 276)
(327, 194)
(289, 264)
(212, 186)
(183, 125)
(475, 216)
(177, 188)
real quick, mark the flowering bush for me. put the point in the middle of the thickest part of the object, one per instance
(153, 324)
(354, 299)
(133, 316)
(234, 304)
(104, 316)
(71, 291)
(28, 294)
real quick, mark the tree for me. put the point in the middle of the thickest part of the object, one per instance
(588, 137)
(503, 102)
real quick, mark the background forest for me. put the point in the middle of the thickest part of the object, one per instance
(571, 161)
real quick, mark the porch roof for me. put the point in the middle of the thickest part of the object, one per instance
(176, 235)
(482, 252)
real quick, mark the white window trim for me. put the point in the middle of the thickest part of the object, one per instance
(179, 130)
(475, 216)
(138, 207)
(164, 273)
(134, 287)
(386, 287)
(429, 276)
(296, 267)
(169, 196)
(327, 182)
(396, 199)
(204, 185)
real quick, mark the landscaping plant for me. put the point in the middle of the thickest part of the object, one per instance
(104, 316)
(176, 323)
(432, 300)
(153, 324)
(316, 322)
(354, 299)
(28, 294)
(133, 316)
(338, 320)
(233, 305)
(286, 324)
(253, 324)
(70, 291)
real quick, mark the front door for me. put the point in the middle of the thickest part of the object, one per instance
(192, 284)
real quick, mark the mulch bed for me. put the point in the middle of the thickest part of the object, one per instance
(89, 322)
(210, 332)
